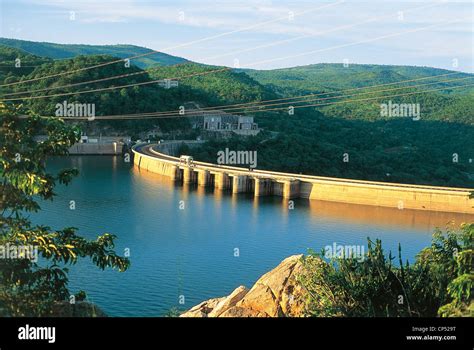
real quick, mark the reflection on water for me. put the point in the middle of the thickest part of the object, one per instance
(371, 215)
(361, 214)
(189, 250)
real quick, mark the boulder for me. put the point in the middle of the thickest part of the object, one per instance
(228, 302)
(261, 299)
(202, 309)
(237, 311)
(275, 294)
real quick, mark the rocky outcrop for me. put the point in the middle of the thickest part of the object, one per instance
(226, 303)
(203, 309)
(275, 294)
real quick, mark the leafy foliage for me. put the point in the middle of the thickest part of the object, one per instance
(30, 287)
(9, 71)
(216, 85)
(63, 51)
(198, 86)
(313, 141)
(440, 282)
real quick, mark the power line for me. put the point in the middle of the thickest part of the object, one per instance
(158, 116)
(291, 99)
(376, 18)
(370, 99)
(303, 98)
(359, 42)
(172, 47)
(227, 68)
(100, 80)
(363, 93)
(222, 55)
(258, 107)
(81, 83)
(109, 88)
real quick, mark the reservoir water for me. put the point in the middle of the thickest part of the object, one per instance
(190, 243)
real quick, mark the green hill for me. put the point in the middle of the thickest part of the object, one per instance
(312, 141)
(217, 85)
(9, 72)
(446, 105)
(332, 76)
(62, 51)
(205, 89)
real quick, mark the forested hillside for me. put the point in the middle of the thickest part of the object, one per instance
(311, 141)
(398, 150)
(355, 81)
(332, 76)
(204, 85)
(11, 69)
(62, 51)
(218, 85)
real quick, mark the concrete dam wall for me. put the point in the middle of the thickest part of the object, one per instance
(156, 159)
(96, 148)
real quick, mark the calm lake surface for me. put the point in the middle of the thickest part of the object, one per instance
(190, 252)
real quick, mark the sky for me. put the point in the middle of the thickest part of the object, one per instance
(259, 34)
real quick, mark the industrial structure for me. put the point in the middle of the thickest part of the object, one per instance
(220, 121)
(157, 159)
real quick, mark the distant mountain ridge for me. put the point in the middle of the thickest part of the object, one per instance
(311, 141)
(64, 51)
(324, 76)
(292, 80)
(446, 95)
(439, 95)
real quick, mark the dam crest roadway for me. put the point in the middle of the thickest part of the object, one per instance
(158, 158)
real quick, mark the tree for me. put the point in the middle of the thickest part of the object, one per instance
(439, 283)
(31, 287)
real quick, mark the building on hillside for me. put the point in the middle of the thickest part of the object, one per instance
(112, 145)
(246, 123)
(212, 123)
(168, 83)
(220, 121)
(151, 134)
